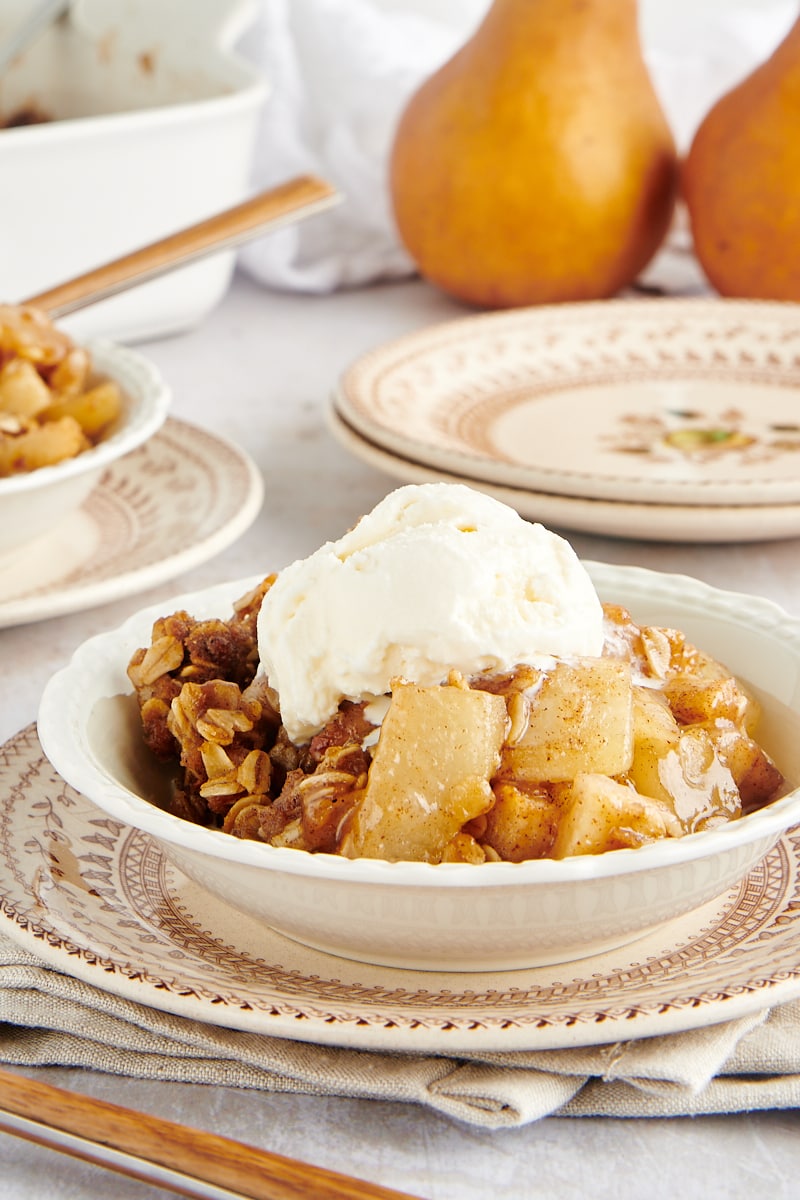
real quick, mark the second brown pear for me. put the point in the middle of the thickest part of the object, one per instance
(742, 182)
(536, 165)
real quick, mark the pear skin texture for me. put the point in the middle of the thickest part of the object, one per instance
(536, 165)
(741, 182)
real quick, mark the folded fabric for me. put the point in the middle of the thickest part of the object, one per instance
(49, 1018)
(341, 71)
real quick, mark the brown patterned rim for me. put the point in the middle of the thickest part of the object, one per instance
(438, 395)
(99, 901)
(609, 518)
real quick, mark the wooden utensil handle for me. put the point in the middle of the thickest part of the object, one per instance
(33, 24)
(291, 201)
(129, 1141)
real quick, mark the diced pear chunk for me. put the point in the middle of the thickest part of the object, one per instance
(522, 823)
(23, 392)
(580, 722)
(430, 773)
(463, 849)
(753, 771)
(655, 734)
(600, 814)
(696, 699)
(680, 767)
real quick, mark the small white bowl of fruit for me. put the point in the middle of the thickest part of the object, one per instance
(67, 412)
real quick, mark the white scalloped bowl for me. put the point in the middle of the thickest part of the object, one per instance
(34, 503)
(451, 916)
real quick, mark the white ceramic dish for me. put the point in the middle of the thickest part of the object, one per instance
(99, 900)
(36, 501)
(608, 518)
(685, 402)
(451, 916)
(156, 119)
(182, 497)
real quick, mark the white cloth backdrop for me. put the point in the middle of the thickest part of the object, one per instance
(341, 71)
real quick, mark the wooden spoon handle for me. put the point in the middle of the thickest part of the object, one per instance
(281, 205)
(177, 1157)
(44, 14)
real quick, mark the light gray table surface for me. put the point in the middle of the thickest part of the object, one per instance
(259, 370)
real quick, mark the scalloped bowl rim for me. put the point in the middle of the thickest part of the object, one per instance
(64, 737)
(147, 403)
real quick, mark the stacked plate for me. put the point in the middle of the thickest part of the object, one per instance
(659, 419)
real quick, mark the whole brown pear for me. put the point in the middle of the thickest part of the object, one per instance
(741, 181)
(536, 165)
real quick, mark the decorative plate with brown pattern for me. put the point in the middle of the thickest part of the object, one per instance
(681, 401)
(608, 518)
(99, 901)
(181, 498)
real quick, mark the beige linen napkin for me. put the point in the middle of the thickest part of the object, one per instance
(48, 1018)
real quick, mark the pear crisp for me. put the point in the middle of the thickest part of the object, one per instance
(52, 407)
(652, 739)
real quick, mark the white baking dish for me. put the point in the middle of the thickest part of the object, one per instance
(155, 119)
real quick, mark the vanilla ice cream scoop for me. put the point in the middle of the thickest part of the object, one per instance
(437, 577)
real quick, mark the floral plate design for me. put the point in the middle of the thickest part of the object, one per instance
(689, 401)
(607, 518)
(99, 901)
(126, 538)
